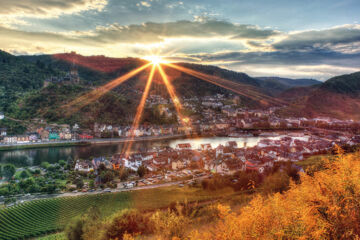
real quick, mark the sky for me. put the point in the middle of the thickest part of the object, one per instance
(298, 39)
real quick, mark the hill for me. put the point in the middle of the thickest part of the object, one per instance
(289, 83)
(277, 85)
(338, 97)
(24, 95)
(32, 99)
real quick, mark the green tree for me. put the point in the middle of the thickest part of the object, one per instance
(79, 182)
(24, 174)
(92, 184)
(45, 165)
(141, 171)
(62, 163)
(107, 176)
(9, 171)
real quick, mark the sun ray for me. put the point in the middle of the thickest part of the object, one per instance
(185, 121)
(139, 112)
(239, 88)
(171, 91)
(87, 98)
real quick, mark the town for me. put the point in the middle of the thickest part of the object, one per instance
(209, 116)
(278, 140)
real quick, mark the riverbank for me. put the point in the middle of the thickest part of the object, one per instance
(42, 145)
(35, 145)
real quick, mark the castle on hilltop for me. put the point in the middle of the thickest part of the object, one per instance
(71, 77)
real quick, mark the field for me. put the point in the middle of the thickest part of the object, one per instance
(42, 217)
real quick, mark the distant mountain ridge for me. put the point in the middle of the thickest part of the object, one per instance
(301, 82)
(22, 93)
(337, 97)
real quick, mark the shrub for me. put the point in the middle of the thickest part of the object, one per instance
(322, 206)
(9, 171)
(170, 224)
(128, 221)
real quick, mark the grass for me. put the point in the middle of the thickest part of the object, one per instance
(55, 236)
(42, 217)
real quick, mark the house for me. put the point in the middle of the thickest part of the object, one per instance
(219, 150)
(205, 147)
(10, 139)
(85, 136)
(33, 137)
(23, 139)
(3, 132)
(176, 165)
(83, 166)
(216, 167)
(96, 162)
(54, 136)
(254, 166)
(183, 146)
(231, 144)
(221, 125)
(44, 134)
(2, 116)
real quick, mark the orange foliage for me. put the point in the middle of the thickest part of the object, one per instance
(325, 206)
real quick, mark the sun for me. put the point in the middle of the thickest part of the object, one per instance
(155, 60)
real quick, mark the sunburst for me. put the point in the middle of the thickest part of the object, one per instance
(156, 62)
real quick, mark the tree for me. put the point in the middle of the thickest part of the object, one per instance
(124, 174)
(107, 176)
(9, 171)
(92, 184)
(74, 230)
(128, 221)
(24, 174)
(79, 182)
(62, 163)
(45, 165)
(141, 171)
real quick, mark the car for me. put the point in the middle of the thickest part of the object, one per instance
(107, 190)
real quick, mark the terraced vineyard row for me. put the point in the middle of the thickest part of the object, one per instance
(49, 215)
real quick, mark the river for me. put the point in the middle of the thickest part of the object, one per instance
(34, 157)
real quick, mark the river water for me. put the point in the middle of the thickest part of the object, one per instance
(34, 157)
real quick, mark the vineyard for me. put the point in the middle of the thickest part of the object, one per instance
(49, 215)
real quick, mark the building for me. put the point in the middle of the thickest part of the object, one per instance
(3, 132)
(83, 166)
(183, 146)
(54, 136)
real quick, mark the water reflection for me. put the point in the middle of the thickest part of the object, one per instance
(34, 157)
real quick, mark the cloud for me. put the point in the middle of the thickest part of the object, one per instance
(48, 8)
(344, 36)
(144, 4)
(315, 57)
(156, 32)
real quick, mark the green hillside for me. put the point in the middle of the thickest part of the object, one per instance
(41, 217)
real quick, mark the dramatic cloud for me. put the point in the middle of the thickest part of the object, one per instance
(341, 36)
(48, 8)
(157, 32)
(283, 58)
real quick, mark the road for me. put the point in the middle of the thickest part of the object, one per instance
(72, 194)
